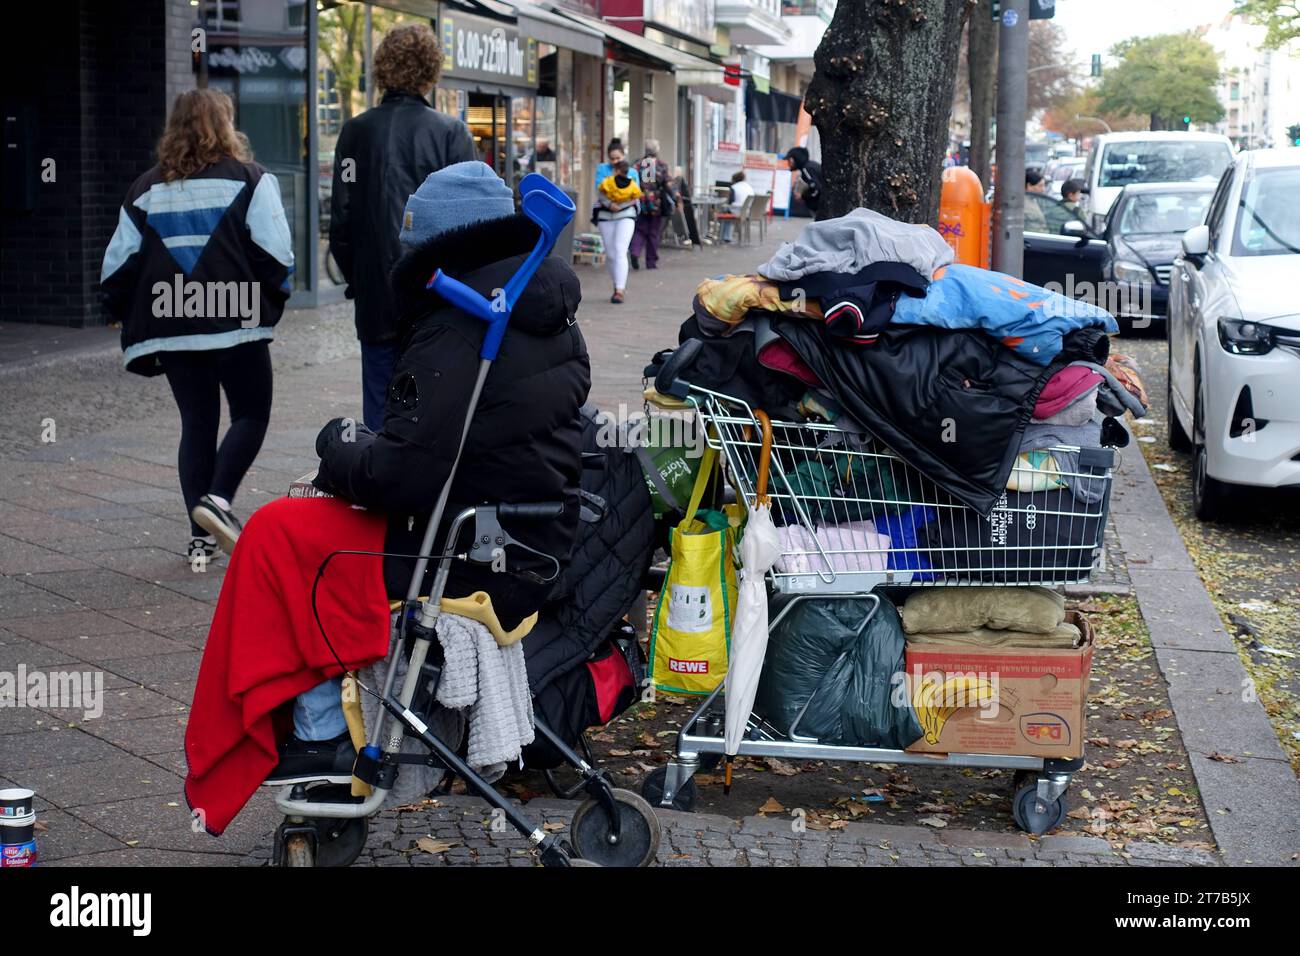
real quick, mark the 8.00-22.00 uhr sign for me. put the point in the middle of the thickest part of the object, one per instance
(475, 48)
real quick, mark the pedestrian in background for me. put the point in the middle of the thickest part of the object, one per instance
(657, 199)
(205, 218)
(810, 172)
(382, 157)
(617, 197)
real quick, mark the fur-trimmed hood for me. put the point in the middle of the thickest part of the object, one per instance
(484, 255)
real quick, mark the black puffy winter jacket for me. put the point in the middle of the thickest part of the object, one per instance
(381, 158)
(525, 443)
(953, 404)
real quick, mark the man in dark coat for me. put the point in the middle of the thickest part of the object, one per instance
(525, 442)
(381, 157)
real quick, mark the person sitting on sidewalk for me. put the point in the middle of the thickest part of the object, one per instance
(525, 444)
(741, 191)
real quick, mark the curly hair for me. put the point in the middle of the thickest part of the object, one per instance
(408, 59)
(200, 131)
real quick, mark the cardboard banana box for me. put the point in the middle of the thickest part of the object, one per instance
(1001, 700)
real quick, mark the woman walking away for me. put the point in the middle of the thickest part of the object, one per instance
(656, 202)
(617, 195)
(198, 273)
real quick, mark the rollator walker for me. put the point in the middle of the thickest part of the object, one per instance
(324, 825)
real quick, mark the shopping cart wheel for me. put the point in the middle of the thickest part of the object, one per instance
(1034, 815)
(638, 839)
(653, 790)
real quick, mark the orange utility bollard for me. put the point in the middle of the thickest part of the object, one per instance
(964, 217)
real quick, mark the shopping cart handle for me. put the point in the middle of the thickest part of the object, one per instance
(667, 382)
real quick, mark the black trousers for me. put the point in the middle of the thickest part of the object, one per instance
(197, 380)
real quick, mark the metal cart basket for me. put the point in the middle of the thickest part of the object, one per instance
(856, 517)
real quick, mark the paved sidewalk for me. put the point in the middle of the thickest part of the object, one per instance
(458, 825)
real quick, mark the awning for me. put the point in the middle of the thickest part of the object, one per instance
(690, 70)
(772, 106)
(541, 24)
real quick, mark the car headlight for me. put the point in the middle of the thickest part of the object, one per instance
(1245, 338)
(1127, 270)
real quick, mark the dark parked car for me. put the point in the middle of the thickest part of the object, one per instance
(1125, 269)
(1143, 231)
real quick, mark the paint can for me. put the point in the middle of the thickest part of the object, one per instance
(17, 828)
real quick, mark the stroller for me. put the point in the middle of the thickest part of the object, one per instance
(324, 824)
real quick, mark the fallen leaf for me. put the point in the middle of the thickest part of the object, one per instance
(781, 768)
(771, 806)
(937, 822)
(430, 845)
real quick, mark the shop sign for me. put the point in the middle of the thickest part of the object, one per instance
(476, 48)
(692, 18)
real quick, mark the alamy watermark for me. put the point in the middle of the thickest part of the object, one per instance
(209, 300)
(54, 690)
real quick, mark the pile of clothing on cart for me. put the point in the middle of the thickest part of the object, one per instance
(967, 375)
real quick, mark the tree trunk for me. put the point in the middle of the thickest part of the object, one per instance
(881, 97)
(982, 61)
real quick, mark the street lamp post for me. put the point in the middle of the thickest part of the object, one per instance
(1013, 96)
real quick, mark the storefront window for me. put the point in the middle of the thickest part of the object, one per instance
(257, 53)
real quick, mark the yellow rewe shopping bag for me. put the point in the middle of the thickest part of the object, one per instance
(692, 626)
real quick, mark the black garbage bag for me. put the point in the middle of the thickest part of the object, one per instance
(822, 647)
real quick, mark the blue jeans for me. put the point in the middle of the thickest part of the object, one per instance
(318, 713)
(377, 364)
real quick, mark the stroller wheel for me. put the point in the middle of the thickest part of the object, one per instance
(652, 788)
(638, 839)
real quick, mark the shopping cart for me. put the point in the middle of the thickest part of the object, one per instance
(818, 476)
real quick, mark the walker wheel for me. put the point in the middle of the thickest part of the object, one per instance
(638, 840)
(297, 852)
(338, 841)
(652, 788)
(1034, 815)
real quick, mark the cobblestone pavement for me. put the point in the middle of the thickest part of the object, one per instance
(456, 825)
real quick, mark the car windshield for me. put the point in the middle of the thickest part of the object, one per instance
(1145, 214)
(1268, 216)
(1164, 161)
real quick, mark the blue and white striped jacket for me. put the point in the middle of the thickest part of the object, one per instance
(198, 263)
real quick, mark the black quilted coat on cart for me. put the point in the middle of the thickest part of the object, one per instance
(606, 568)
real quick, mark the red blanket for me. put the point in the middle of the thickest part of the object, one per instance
(265, 648)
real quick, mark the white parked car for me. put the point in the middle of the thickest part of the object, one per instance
(1117, 159)
(1234, 333)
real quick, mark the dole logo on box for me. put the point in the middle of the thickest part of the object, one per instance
(1045, 729)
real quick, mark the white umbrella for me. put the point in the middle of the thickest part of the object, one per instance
(759, 549)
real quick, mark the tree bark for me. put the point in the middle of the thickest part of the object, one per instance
(881, 97)
(982, 61)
